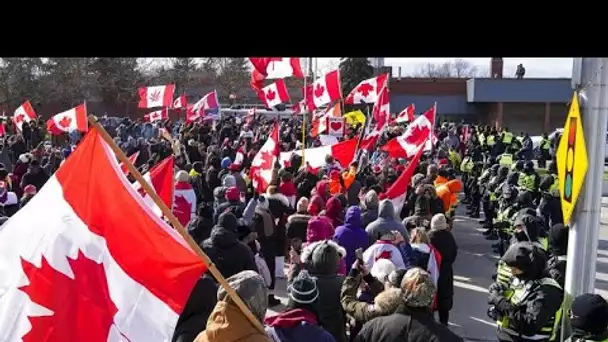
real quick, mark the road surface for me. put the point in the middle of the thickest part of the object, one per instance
(473, 270)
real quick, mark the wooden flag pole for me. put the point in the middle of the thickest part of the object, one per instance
(176, 224)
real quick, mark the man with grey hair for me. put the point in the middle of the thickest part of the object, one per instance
(227, 322)
(413, 320)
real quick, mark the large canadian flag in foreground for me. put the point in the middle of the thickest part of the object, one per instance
(420, 131)
(343, 152)
(397, 192)
(87, 260)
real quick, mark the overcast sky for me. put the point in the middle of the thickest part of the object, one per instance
(535, 67)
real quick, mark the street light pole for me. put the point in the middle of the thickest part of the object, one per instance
(590, 77)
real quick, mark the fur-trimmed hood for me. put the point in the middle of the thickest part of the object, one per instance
(323, 257)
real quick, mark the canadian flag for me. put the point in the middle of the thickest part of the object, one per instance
(274, 94)
(69, 121)
(156, 96)
(132, 159)
(191, 116)
(343, 152)
(180, 102)
(420, 131)
(406, 115)
(319, 125)
(157, 115)
(25, 113)
(369, 141)
(397, 192)
(273, 68)
(160, 177)
(86, 276)
(184, 203)
(299, 108)
(207, 103)
(324, 90)
(382, 109)
(367, 91)
(262, 164)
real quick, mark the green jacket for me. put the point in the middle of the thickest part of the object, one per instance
(362, 311)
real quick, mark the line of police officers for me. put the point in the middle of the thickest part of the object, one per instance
(523, 212)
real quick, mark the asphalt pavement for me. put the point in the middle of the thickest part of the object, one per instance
(473, 270)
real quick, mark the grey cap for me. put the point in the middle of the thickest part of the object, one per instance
(250, 286)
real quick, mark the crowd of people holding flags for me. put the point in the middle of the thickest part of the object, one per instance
(356, 217)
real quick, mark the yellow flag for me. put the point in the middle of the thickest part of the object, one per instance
(355, 117)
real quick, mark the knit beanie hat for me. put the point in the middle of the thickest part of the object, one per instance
(326, 256)
(303, 290)
(229, 181)
(232, 194)
(438, 222)
(302, 205)
(418, 288)
(181, 176)
(250, 286)
(590, 313)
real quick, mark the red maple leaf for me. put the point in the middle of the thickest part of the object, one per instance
(270, 95)
(154, 96)
(266, 160)
(19, 118)
(417, 134)
(182, 209)
(319, 90)
(65, 122)
(82, 307)
(365, 88)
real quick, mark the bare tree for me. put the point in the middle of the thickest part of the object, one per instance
(457, 68)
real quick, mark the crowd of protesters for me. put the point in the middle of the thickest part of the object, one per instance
(356, 267)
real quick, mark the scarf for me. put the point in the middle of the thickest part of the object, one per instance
(291, 318)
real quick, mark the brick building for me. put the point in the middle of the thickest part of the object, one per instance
(534, 105)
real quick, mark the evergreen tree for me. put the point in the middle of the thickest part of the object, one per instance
(118, 80)
(182, 72)
(233, 75)
(353, 71)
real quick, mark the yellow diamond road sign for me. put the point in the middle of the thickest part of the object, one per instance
(571, 160)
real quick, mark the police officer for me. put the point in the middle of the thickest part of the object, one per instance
(550, 206)
(505, 159)
(506, 138)
(466, 168)
(490, 172)
(529, 306)
(545, 147)
(491, 142)
(475, 190)
(589, 319)
(505, 211)
(531, 180)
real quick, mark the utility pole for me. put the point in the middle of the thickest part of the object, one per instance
(590, 76)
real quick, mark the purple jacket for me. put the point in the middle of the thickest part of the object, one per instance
(352, 235)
